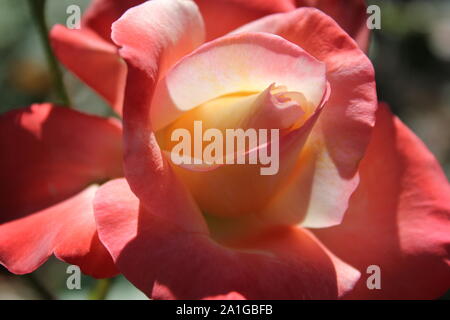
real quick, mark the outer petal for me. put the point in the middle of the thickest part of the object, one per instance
(94, 60)
(152, 36)
(223, 16)
(51, 153)
(186, 263)
(102, 13)
(398, 218)
(66, 229)
(350, 14)
(327, 168)
(166, 30)
(227, 296)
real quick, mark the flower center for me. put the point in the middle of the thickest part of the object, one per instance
(266, 116)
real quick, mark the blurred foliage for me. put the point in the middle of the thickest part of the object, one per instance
(411, 55)
(52, 277)
(24, 75)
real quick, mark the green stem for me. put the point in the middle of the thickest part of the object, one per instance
(101, 289)
(38, 13)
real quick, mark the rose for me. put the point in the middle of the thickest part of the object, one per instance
(370, 191)
(52, 189)
(401, 201)
(52, 161)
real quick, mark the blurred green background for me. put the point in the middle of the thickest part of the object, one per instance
(411, 55)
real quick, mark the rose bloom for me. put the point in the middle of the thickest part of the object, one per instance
(355, 187)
